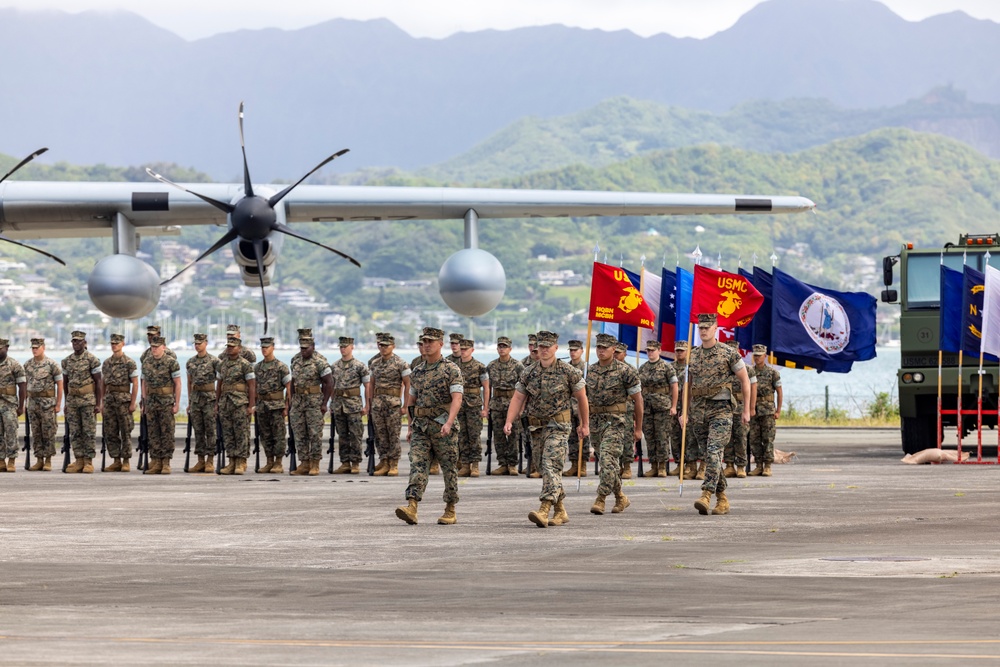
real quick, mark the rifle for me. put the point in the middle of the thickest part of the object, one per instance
(526, 436)
(104, 447)
(638, 451)
(520, 454)
(370, 446)
(220, 448)
(143, 445)
(333, 437)
(27, 441)
(66, 446)
(489, 442)
(256, 443)
(187, 445)
(292, 465)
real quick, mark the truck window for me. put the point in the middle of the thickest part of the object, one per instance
(923, 277)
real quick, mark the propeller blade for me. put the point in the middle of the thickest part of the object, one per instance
(258, 251)
(281, 195)
(285, 229)
(229, 237)
(247, 187)
(25, 245)
(221, 205)
(22, 163)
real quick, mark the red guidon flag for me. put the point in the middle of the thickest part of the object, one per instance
(613, 298)
(731, 297)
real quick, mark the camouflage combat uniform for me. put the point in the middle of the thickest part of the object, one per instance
(79, 371)
(549, 413)
(608, 389)
(656, 378)
(202, 372)
(762, 425)
(387, 383)
(11, 374)
(42, 378)
(471, 415)
(272, 376)
(117, 420)
(306, 416)
(574, 441)
(503, 379)
(159, 376)
(245, 353)
(234, 374)
(713, 374)
(349, 378)
(736, 451)
(147, 353)
(431, 386)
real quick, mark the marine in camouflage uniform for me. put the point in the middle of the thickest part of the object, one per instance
(12, 387)
(153, 331)
(121, 392)
(714, 367)
(350, 382)
(202, 370)
(676, 432)
(274, 383)
(659, 400)
(455, 340)
(233, 331)
(577, 361)
(390, 381)
(610, 383)
(45, 395)
(628, 448)
(470, 417)
(544, 392)
(161, 393)
(534, 463)
(311, 388)
(236, 400)
(762, 423)
(436, 397)
(735, 455)
(83, 402)
(419, 359)
(532, 351)
(504, 373)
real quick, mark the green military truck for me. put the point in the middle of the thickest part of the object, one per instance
(919, 299)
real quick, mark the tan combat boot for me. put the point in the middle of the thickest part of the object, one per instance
(502, 470)
(276, 467)
(266, 468)
(88, 467)
(154, 467)
(114, 467)
(621, 502)
(654, 469)
(704, 504)
(559, 515)
(409, 513)
(355, 468)
(3, 465)
(702, 467)
(435, 469)
(164, 466)
(626, 471)
(302, 468)
(230, 466)
(344, 469)
(125, 465)
(448, 518)
(512, 470)
(465, 470)
(540, 517)
(75, 466)
(598, 506)
(314, 467)
(47, 466)
(38, 464)
(241, 466)
(765, 473)
(573, 468)
(690, 470)
(662, 470)
(382, 468)
(758, 470)
(741, 472)
(721, 503)
(474, 469)
(199, 466)
(393, 470)
(12, 464)
(729, 472)
(534, 474)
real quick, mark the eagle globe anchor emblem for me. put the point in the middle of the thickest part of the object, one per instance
(631, 300)
(728, 306)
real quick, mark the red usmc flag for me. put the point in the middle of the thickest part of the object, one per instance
(731, 297)
(613, 298)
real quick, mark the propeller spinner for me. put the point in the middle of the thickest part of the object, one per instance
(4, 178)
(253, 218)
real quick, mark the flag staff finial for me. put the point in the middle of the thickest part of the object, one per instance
(697, 254)
(774, 259)
(597, 249)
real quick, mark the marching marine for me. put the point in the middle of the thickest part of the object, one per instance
(121, 392)
(576, 361)
(628, 449)
(659, 401)
(236, 401)
(12, 387)
(475, 407)
(202, 370)
(311, 388)
(762, 423)
(455, 340)
(351, 380)
(676, 432)
(161, 397)
(504, 372)
(45, 395)
(274, 389)
(735, 455)
(84, 401)
(390, 383)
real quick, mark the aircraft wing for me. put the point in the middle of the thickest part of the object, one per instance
(68, 209)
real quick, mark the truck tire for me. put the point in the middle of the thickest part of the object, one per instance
(918, 433)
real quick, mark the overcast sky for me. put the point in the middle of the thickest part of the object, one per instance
(193, 19)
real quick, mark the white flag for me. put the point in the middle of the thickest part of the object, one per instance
(991, 312)
(651, 283)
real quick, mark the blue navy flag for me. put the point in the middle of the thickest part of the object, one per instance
(822, 324)
(950, 324)
(667, 326)
(973, 286)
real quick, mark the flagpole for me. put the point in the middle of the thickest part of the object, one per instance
(940, 418)
(684, 412)
(579, 453)
(979, 412)
(959, 411)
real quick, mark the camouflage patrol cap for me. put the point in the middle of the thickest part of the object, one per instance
(706, 320)
(345, 341)
(232, 329)
(652, 345)
(78, 335)
(621, 347)
(305, 332)
(466, 344)
(306, 341)
(680, 345)
(532, 338)
(386, 338)
(430, 333)
(233, 341)
(733, 344)
(575, 344)
(606, 340)
(201, 338)
(759, 349)
(153, 330)
(157, 341)
(267, 341)
(503, 340)
(547, 338)
(37, 342)
(117, 338)
(455, 337)
(4, 342)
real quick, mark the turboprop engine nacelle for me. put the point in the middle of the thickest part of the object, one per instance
(243, 253)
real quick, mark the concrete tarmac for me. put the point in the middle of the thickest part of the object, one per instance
(846, 557)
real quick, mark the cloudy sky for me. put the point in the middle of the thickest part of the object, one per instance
(193, 19)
